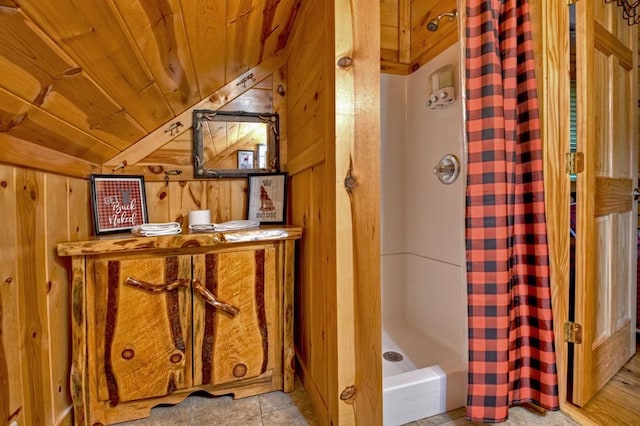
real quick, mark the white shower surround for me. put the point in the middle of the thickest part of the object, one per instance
(424, 313)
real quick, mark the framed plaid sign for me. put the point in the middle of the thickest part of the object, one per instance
(118, 203)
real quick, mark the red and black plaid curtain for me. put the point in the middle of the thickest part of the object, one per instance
(511, 347)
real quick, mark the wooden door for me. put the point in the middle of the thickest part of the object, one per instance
(606, 212)
(142, 327)
(231, 347)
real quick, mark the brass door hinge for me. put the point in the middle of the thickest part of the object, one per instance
(572, 332)
(575, 162)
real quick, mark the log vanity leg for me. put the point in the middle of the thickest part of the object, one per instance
(288, 288)
(79, 373)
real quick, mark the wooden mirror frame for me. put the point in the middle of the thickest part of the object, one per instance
(202, 116)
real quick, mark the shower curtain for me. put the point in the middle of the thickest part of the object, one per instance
(511, 347)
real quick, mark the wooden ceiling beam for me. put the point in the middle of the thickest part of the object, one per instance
(19, 152)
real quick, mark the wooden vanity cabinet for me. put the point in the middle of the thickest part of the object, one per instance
(167, 316)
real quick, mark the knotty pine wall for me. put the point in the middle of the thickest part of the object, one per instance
(309, 117)
(225, 198)
(310, 133)
(39, 210)
(333, 115)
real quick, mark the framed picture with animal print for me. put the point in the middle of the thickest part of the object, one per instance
(118, 203)
(267, 198)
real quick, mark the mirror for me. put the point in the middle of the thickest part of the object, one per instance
(234, 143)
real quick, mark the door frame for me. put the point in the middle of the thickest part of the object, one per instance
(550, 32)
(550, 25)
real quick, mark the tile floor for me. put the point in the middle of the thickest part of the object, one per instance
(520, 416)
(294, 409)
(271, 409)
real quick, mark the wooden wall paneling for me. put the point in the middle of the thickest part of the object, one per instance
(226, 198)
(204, 23)
(177, 154)
(310, 82)
(389, 31)
(311, 289)
(243, 23)
(158, 201)
(357, 188)
(315, 340)
(257, 99)
(184, 197)
(219, 200)
(388, 67)
(32, 302)
(155, 172)
(238, 196)
(56, 230)
(158, 31)
(276, 25)
(183, 122)
(349, 149)
(550, 28)
(256, 30)
(11, 387)
(340, 156)
(79, 200)
(91, 36)
(404, 31)
(308, 158)
(279, 106)
(46, 77)
(306, 114)
(321, 279)
(395, 36)
(425, 44)
(301, 215)
(19, 152)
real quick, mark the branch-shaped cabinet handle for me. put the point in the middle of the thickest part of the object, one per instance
(157, 288)
(213, 301)
(183, 282)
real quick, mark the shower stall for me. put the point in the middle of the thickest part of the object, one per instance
(424, 317)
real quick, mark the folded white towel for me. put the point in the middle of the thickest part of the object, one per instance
(234, 225)
(154, 229)
(256, 235)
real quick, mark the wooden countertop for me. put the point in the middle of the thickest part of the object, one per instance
(119, 243)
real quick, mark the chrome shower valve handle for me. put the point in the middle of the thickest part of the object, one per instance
(448, 169)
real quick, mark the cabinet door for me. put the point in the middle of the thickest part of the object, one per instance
(226, 347)
(142, 326)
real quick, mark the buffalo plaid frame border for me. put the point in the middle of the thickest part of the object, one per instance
(118, 203)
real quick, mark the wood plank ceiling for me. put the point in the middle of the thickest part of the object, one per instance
(87, 79)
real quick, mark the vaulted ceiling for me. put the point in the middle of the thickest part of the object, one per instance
(85, 80)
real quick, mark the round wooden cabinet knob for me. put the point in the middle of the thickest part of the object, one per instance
(175, 358)
(239, 370)
(127, 354)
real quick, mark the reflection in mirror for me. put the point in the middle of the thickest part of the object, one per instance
(234, 143)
